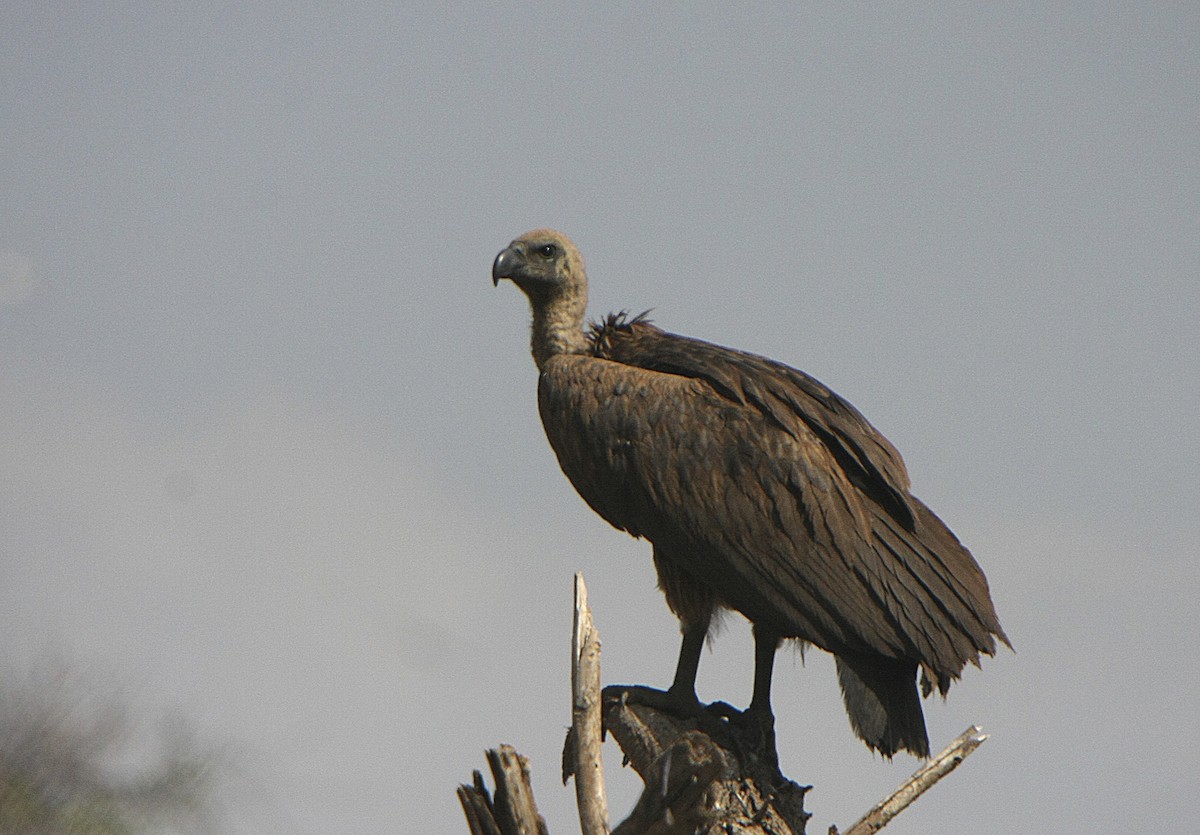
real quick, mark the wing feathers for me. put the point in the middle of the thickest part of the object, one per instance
(765, 486)
(794, 401)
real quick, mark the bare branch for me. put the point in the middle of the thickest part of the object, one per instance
(918, 784)
(706, 773)
(585, 717)
(512, 811)
(477, 806)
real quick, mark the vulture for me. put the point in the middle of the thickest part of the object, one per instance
(761, 491)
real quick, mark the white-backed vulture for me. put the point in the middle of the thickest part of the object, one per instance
(762, 491)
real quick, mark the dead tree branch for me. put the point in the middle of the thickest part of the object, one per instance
(704, 774)
(512, 811)
(921, 781)
(585, 718)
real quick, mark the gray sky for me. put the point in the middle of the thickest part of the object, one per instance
(269, 438)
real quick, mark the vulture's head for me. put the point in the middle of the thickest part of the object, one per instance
(544, 264)
(549, 270)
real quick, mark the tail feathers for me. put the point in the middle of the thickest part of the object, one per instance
(883, 705)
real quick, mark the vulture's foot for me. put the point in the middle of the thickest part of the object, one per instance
(717, 720)
(722, 710)
(749, 734)
(756, 730)
(681, 703)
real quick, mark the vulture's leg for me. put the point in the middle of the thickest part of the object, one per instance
(680, 699)
(759, 715)
(766, 641)
(683, 689)
(693, 603)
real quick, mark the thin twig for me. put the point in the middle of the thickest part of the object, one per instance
(919, 783)
(585, 717)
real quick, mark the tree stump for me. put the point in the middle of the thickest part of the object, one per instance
(705, 774)
(702, 774)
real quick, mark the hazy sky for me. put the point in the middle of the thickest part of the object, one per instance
(269, 442)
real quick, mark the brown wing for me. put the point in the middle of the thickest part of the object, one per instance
(905, 533)
(764, 507)
(784, 394)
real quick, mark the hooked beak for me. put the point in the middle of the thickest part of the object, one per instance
(506, 265)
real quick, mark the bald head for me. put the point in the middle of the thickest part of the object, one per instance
(549, 270)
(544, 263)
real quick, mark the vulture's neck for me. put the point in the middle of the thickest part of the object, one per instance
(558, 327)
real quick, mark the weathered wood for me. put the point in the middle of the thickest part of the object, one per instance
(703, 774)
(588, 768)
(477, 806)
(512, 811)
(922, 780)
(711, 773)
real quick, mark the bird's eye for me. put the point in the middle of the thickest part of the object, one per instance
(547, 250)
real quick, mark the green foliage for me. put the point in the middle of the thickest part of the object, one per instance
(69, 766)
